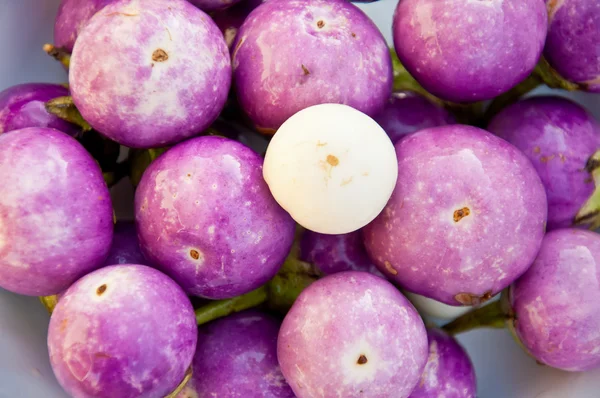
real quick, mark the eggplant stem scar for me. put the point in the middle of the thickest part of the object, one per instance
(332, 160)
(160, 55)
(461, 213)
(101, 289)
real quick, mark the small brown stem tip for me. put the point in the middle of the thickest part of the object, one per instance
(58, 54)
(101, 289)
(305, 70)
(160, 55)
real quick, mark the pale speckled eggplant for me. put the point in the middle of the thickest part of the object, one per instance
(558, 136)
(336, 253)
(465, 220)
(236, 357)
(407, 112)
(352, 334)
(149, 73)
(56, 218)
(125, 248)
(123, 331)
(449, 372)
(231, 19)
(206, 217)
(24, 106)
(465, 50)
(72, 17)
(556, 304)
(213, 5)
(572, 44)
(290, 55)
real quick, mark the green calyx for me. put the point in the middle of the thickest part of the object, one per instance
(181, 386)
(65, 108)
(49, 302)
(403, 80)
(551, 78)
(278, 294)
(589, 214)
(290, 281)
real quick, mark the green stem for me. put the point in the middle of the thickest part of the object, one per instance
(64, 108)
(58, 54)
(403, 80)
(590, 211)
(492, 315)
(279, 293)
(513, 95)
(285, 288)
(181, 386)
(222, 308)
(552, 78)
(49, 302)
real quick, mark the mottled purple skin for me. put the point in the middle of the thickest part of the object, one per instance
(213, 5)
(465, 50)
(407, 112)
(231, 19)
(373, 344)
(331, 53)
(336, 253)
(206, 217)
(449, 372)
(125, 248)
(572, 44)
(420, 240)
(23, 106)
(56, 217)
(558, 136)
(557, 302)
(72, 17)
(145, 86)
(236, 357)
(122, 331)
